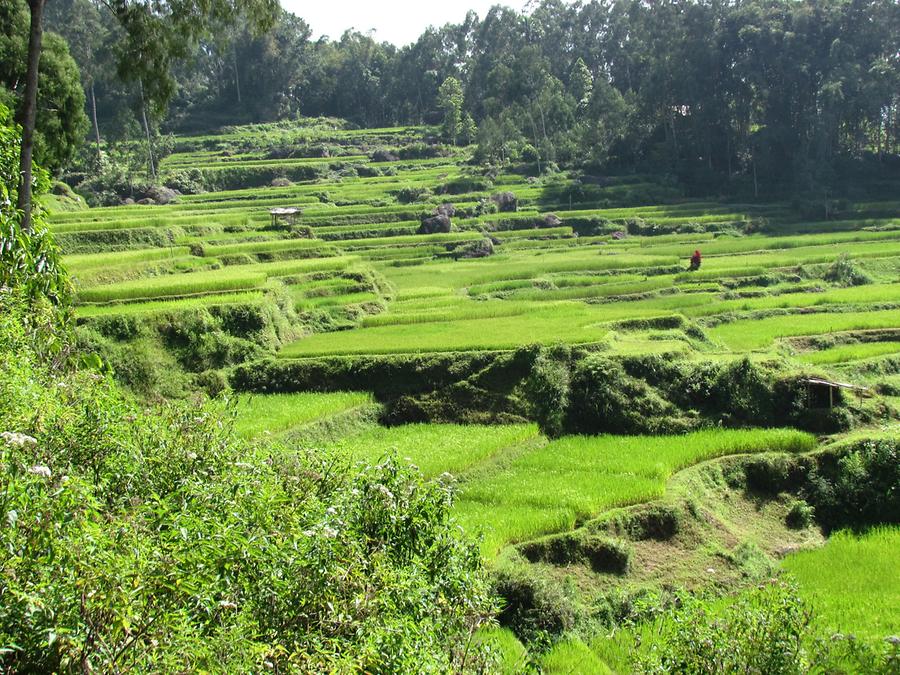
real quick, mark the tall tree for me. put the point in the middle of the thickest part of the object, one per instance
(450, 101)
(29, 110)
(154, 34)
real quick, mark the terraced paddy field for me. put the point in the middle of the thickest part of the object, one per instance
(541, 344)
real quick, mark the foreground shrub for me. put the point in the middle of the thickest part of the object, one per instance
(154, 540)
(760, 632)
(768, 629)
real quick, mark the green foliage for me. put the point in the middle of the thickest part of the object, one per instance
(845, 272)
(533, 608)
(153, 539)
(601, 554)
(186, 181)
(799, 515)
(61, 122)
(547, 390)
(29, 261)
(605, 398)
(450, 100)
(859, 486)
(760, 631)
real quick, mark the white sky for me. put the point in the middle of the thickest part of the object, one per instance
(396, 21)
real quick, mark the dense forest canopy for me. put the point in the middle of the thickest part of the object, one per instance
(775, 92)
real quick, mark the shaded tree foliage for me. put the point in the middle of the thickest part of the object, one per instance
(61, 121)
(754, 95)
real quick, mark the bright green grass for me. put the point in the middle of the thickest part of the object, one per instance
(602, 290)
(163, 306)
(438, 448)
(195, 283)
(338, 299)
(259, 414)
(238, 277)
(749, 334)
(571, 656)
(80, 263)
(854, 352)
(274, 246)
(548, 489)
(575, 324)
(734, 245)
(512, 654)
(522, 265)
(853, 582)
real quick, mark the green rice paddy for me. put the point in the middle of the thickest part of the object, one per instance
(266, 414)
(853, 582)
(609, 273)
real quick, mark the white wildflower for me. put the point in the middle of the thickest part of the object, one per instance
(16, 440)
(40, 470)
(329, 532)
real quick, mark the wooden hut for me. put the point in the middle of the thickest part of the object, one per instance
(819, 391)
(286, 214)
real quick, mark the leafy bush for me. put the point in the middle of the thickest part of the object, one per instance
(30, 263)
(186, 181)
(799, 515)
(760, 632)
(857, 486)
(657, 520)
(775, 473)
(532, 607)
(153, 539)
(743, 390)
(409, 194)
(604, 398)
(547, 391)
(601, 553)
(845, 272)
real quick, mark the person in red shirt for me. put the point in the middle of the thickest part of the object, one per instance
(695, 261)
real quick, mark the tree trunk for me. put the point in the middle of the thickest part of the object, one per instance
(29, 111)
(755, 181)
(96, 125)
(237, 77)
(147, 132)
(537, 143)
(728, 151)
